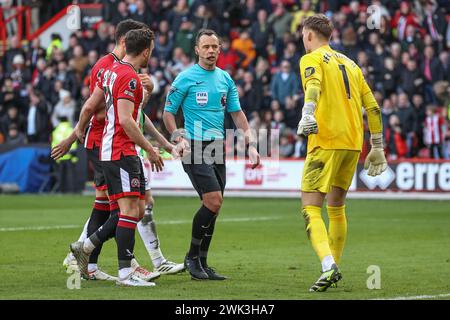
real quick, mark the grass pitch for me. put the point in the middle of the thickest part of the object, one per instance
(259, 243)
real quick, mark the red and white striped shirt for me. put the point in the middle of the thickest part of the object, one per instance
(433, 129)
(94, 131)
(120, 82)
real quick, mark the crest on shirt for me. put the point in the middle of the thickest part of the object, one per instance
(135, 183)
(202, 98)
(223, 99)
(309, 71)
(132, 84)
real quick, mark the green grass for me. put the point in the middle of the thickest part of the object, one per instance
(266, 259)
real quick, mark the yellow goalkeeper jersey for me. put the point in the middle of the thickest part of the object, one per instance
(339, 108)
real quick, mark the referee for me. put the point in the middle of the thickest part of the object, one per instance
(205, 93)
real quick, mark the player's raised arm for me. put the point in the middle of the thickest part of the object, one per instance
(311, 73)
(375, 161)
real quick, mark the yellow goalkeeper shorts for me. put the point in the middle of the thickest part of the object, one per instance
(326, 168)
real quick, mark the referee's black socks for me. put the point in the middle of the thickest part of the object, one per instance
(202, 224)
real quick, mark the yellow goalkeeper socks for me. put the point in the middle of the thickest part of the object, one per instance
(316, 231)
(337, 231)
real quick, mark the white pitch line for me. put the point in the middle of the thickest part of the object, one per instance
(40, 228)
(443, 295)
(72, 226)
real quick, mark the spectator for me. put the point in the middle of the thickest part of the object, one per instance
(12, 116)
(122, 13)
(248, 13)
(251, 100)
(178, 15)
(185, 37)
(64, 108)
(260, 32)
(404, 18)
(300, 147)
(163, 47)
(395, 139)
(280, 21)
(390, 79)
(229, 59)
(300, 15)
(434, 132)
(13, 51)
(56, 43)
(411, 79)
(434, 22)
(15, 137)
(38, 121)
(408, 120)
(284, 84)
(205, 18)
(142, 14)
(34, 53)
(286, 147)
(20, 75)
(246, 47)
(80, 61)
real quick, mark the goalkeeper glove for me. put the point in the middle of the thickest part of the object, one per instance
(376, 162)
(308, 123)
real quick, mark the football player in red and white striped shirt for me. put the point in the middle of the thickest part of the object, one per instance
(102, 206)
(121, 143)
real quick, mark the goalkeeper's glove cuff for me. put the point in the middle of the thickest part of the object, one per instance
(308, 108)
(376, 140)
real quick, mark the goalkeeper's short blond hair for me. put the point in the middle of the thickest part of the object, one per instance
(320, 24)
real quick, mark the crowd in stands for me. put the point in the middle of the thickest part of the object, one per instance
(405, 60)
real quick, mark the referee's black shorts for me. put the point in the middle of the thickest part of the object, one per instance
(99, 177)
(205, 166)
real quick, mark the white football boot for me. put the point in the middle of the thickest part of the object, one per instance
(133, 280)
(169, 267)
(143, 273)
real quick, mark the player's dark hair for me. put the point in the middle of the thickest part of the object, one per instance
(137, 41)
(205, 32)
(320, 24)
(126, 25)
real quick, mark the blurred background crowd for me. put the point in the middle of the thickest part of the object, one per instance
(406, 62)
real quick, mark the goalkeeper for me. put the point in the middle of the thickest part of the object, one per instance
(335, 92)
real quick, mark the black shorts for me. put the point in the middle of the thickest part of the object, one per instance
(99, 177)
(124, 177)
(207, 172)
